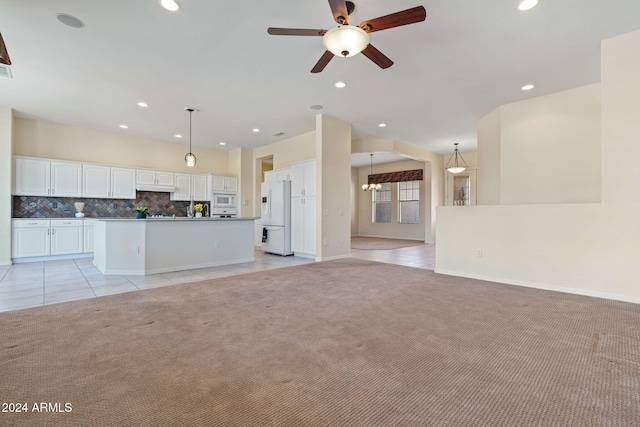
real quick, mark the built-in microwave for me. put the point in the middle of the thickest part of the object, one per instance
(223, 200)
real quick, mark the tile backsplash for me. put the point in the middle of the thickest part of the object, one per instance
(62, 207)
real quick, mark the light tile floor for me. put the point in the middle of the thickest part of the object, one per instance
(36, 284)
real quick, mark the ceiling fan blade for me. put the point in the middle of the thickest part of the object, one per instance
(405, 17)
(4, 55)
(324, 60)
(294, 32)
(376, 56)
(340, 13)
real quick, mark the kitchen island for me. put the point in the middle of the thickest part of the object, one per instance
(161, 245)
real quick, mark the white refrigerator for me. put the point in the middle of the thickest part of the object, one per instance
(276, 217)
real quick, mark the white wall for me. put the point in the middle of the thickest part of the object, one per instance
(489, 179)
(333, 152)
(538, 143)
(551, 148)
(56, 141)
(6, 131)
(583, 248)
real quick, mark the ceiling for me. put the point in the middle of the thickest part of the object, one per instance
(465, 60)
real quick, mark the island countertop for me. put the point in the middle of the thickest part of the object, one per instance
(141, 246)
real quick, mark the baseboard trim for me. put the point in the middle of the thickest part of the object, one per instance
(542, 286)
(51, 258)
(390, 237)
(331, 258)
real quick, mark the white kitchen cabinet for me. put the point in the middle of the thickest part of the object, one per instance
(44, 237)
(66, 179)
(154, 177)
(183, 187)
(96, 181)
(123, 183)
(303, 179)
(224, 183)
(66, 236)
(43, 177)
(277, 175)
(87, 236)
(303, 226)
(108, 182)
(199, 187)
(190, 185)
(31, 238)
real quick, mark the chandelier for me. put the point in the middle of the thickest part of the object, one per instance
(371, 187)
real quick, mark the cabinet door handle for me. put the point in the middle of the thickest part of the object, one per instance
(48, 232)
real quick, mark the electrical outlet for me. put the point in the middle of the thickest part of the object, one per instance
(114, 206)
(325, 242)
(325, 212)
(479, 253)
(54, 205)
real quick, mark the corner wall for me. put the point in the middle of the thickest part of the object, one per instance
(6, 172)
(588, 249)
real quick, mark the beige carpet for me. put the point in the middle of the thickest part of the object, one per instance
(376, 243)
(340, 343)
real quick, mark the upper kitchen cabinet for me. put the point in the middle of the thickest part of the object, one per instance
(224, 183)
(152, 177)
(303, 179)
(190, 186)
(43, 177)
(278, 175)
(108, 182)
(199, 187)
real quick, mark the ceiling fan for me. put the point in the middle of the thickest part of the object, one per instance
(347, 40)
(4, 55)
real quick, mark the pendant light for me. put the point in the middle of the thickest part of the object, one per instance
(456, 167)
(371, 187)
(190, 158)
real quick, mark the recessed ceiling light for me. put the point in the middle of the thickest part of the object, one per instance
(70, 21)
(177, 135)
(124, 126)
(527, 4)
(170, 5)
(382, 125)
(527, 87)
(256, 130)
(341, 84)
(316, 107)
(222, 143)
(143, 104)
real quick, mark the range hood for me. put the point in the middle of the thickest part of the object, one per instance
(156, 188)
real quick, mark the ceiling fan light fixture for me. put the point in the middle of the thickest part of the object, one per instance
(527, 4)
(345, 40)
(170, 5)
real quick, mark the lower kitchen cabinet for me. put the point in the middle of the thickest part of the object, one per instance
(44, 237)
(303, 226)
(66, 236)
(31, 238)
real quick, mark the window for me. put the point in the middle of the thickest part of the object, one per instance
(409, 202)
(382, 203)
